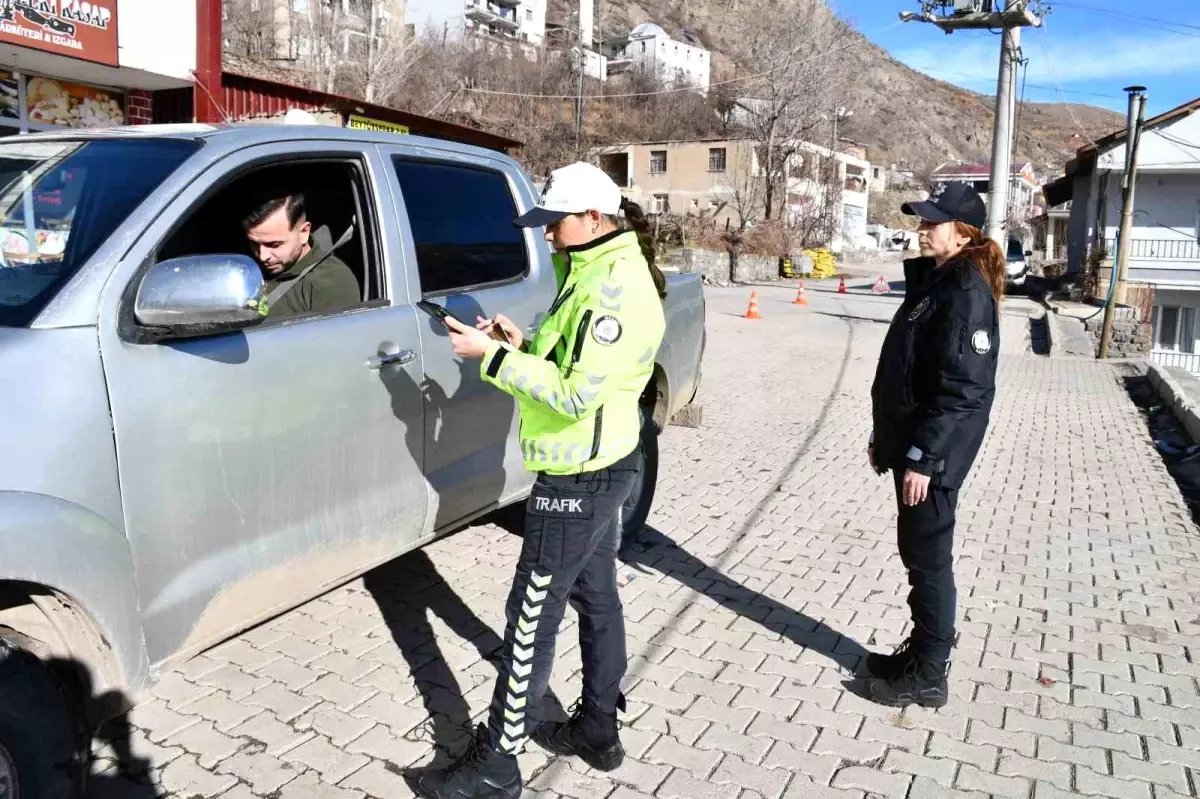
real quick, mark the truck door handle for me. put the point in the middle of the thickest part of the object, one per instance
(388, 358)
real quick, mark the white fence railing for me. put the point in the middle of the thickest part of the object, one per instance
(1184, 360)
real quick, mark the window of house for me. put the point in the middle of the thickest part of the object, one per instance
(713, 205)
(662, 204)
(336, 202)
(529, 15)
(462, 225)
(658, 162)
(1174, 328)
(716, 159)
(300, 6)
(695, 205)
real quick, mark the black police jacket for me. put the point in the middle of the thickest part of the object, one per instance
(936, 378)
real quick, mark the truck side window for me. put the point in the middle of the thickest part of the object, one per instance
(461, 219)
(336, 199)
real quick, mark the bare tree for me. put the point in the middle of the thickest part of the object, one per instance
(795, 54)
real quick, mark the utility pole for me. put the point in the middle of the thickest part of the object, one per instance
(1010, 16)
(1135, 118)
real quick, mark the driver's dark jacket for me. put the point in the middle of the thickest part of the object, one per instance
(936, 378)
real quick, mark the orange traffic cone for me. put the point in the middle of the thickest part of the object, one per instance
(801, 299)
(842, 285)
(752, 311)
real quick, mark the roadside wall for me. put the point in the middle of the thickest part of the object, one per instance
(714, 266)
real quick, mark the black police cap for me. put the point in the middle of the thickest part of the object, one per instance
(951, 202)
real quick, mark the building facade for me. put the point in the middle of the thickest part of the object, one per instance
(513, 20)
(649, 49)
(61, 65)
(1165, 236)
(1023, 188)
(722, 179)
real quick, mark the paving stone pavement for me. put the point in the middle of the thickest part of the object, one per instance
(770, 571)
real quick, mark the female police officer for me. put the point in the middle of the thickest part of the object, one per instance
(577, 383)
(931, 400)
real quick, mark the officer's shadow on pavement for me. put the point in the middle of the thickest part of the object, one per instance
(655, 551)
(407, 591)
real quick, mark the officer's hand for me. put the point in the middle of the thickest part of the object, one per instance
(466, 341)
(916, 487)
(511, 331)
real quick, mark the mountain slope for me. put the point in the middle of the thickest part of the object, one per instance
(904, 115)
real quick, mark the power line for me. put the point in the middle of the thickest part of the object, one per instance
(862, 40)
(1168, 25)
(977, 79)
(1044, 31)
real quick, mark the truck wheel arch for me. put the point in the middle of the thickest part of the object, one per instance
(656, 399)
(67, 587)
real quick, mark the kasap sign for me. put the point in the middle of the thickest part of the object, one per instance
(84, 29)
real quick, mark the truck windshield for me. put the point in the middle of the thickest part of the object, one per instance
(59, 200)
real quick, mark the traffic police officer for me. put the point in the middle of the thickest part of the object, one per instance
(578, 384)
(931, 399)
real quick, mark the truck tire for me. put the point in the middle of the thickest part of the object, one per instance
(39, 758)
(636, 509)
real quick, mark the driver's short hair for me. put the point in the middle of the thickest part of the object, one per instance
(294, 203)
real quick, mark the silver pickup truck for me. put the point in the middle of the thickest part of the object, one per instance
(177, 465)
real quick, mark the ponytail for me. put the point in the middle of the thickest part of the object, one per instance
(635, 220)
(985, 255)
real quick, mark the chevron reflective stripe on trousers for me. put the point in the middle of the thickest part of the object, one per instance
(521, 666)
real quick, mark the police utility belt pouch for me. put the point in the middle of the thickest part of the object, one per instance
(282, 289)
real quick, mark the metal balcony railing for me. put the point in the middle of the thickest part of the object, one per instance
(1160, 249)
(1183, 360)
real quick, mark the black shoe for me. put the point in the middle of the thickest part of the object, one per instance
(914, 686)
(590, 735)
(887, 667)
(481, 773)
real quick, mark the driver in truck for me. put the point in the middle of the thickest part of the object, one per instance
(302, 274)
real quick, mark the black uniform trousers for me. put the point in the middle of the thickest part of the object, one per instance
(572, 533)
(925, 535)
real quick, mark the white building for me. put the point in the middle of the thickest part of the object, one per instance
(650, 49)
(854, 177)
(518, 20)
(1165, 238)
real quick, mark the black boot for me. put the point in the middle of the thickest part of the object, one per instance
(887, 667)
(589, 734)
(482, 772)
(918, 684)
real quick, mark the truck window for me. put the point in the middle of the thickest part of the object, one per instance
(335, 197)
(461, 219)
(59, 201)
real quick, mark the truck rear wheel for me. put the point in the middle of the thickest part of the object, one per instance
(636, 509)
(38, 752)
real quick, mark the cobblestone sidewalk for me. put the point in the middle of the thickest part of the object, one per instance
(770, 571)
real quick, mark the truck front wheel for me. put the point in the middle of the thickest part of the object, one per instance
(636, 509)
(38, 755)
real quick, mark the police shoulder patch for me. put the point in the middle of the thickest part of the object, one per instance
(606, 330)
(981, 342)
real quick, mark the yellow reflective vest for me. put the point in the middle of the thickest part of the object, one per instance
(579, 380)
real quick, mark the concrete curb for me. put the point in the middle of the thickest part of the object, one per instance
(1179, 389)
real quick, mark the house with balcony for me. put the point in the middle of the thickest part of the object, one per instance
(1165, 238)
(722, 179)
(650, 49)
(1023, 188)
(515, 21)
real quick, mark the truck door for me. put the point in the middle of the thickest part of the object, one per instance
(464, 252)
(259, 468)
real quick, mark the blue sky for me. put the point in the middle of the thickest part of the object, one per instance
(1091, 49)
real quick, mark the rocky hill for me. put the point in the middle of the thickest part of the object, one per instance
(902, 114)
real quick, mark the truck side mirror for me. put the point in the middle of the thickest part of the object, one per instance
(201, 295)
